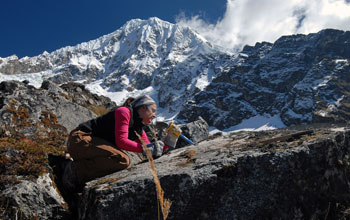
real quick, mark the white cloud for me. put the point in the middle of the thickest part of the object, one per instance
(251, 21)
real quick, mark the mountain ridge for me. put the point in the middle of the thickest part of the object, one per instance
(292, 77)
(179, 68)
(140, 56)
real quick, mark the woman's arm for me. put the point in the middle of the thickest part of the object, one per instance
(122, 120)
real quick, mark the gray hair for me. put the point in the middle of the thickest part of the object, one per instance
(142, 100)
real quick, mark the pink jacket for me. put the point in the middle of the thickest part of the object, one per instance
(122, 119)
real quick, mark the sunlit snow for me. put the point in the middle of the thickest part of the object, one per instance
(35, 79)
(256, 123)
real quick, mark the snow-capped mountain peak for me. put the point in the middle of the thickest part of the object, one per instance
(152, 56)
(297, 79)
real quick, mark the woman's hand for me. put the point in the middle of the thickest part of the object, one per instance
(156, 149)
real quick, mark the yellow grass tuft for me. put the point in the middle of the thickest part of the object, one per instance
(98, 110)
(190, 158)
(165, 204)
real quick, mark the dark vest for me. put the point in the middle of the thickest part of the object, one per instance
(104, 126)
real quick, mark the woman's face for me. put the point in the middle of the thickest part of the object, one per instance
(148, 113)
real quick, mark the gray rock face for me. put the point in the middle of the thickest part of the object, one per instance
(282, 174)
(302, 78)
(26, 65)
(28, 200)
(30, 111)
(34, 122)
(196, 131)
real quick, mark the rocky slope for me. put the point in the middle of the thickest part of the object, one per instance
(29, 111)
(302, 78)
(294, 173)
(35, 123)
(282, 174)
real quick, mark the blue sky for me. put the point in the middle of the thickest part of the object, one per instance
(29, 27)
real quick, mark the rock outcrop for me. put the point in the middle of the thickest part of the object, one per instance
(34, 123)
(33, 200)
(197, 130)
(294, 173)
(281, 174)
(29, 111)
(34, 128)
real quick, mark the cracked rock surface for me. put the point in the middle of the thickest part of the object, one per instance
(296, 173)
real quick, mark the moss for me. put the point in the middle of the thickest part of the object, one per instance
(48, 118)
(47, 130)
(190, 154)
(25, 158)
(20, 114)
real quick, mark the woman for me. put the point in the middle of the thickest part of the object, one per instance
(105, 144)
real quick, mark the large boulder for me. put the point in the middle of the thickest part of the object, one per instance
(196, 131)
(281, 174)
(33, 200)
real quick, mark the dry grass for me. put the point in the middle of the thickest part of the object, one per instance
(165, 204)
(98, 110)
(65, 96)
(108, 180)
(190, 158)
(27, 156)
